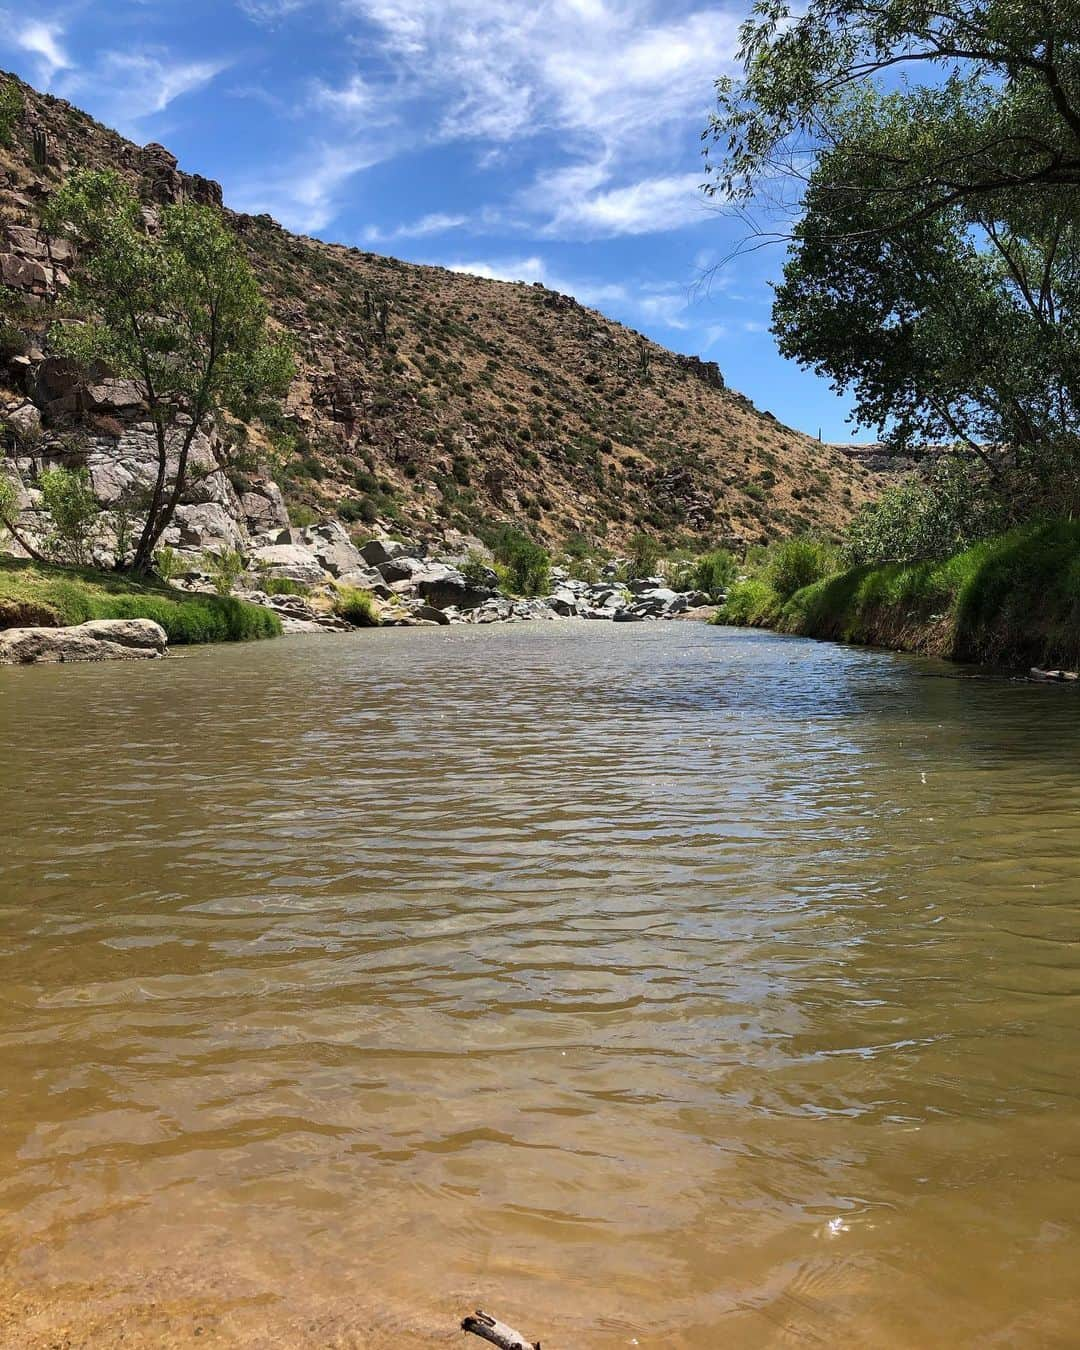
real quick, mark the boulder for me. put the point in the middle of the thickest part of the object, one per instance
(364, 579)
(264, 508)
(397, 569)
(110, 396)
(377, 551)
(292, 562)
(206, 526)
(98, 640)
(430, 614)
(443, 586)
(563, 601)
(332, 546)
(57, 377)
(24, 421)
(25, 274)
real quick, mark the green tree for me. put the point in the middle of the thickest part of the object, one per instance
(68, 496)
(11, 109)
(934, 258)
(178, 310)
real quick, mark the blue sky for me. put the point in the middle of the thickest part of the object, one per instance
(540, 140)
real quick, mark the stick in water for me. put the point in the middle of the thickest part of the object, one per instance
(498, 1333)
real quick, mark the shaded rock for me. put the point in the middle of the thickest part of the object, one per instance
(264, 508)
(114, 396)
(377, 551)
(206, 526)
(98, 640)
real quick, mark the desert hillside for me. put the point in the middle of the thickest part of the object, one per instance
(432, 401)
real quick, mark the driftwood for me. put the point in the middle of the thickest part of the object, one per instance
(498, 1333)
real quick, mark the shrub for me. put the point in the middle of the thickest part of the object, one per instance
(302, 516)
(225, 569)
(944, 512)
(644, 557)
(166, 564)
(526, 566)
(282, 586)
(76, 516)
(11, 107)
(751, 602)
(476, 569)
(714, 572)
(791, 564)
(356, 607)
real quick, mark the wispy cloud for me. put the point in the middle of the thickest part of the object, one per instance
(619, 81)
(436, 222)
(534, 268)
(43, 40)
(662, 203)
(303, 193)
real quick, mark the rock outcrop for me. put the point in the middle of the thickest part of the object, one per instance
(98, 640)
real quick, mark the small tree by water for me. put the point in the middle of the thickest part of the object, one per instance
(179, 311)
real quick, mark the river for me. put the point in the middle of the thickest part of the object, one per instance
(653, 985)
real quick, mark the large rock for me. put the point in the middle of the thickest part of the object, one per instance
(377, 551)
(205, 526)
(110, 396)
(563, 601)
(332, 546)
(99, 640)
(292, 562)
(443, 586)
(264, 508)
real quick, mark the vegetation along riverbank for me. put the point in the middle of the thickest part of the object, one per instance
(1012, 601)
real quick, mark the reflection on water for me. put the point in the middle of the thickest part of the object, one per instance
(651, 985)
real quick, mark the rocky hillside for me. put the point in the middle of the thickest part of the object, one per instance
(427, 401)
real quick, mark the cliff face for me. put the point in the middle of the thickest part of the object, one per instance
(426, 401)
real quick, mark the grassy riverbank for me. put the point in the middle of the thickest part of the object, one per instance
(1012, 601)
(33, 594)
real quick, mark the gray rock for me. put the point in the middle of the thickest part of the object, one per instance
(114, 396)
(563, 602)
(377, 551)
(264, 507)
(98, 640)
(25, 421)
(364, 579)
(292, 562)
(205, 526)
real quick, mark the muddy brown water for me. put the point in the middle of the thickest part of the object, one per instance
(653, 985)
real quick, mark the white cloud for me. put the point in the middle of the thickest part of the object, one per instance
(619, 81)
(124, 87)
(303, 193)
(662, 203)
(533, 268)
(43, 41)
(437, 222)
(352, 98)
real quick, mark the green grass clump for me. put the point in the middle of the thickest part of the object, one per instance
(356, 607)
(33, 593)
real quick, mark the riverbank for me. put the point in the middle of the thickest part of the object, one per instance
(1013, 600)
(34, 594)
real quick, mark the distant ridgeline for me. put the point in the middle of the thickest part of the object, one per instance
(426, 400)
